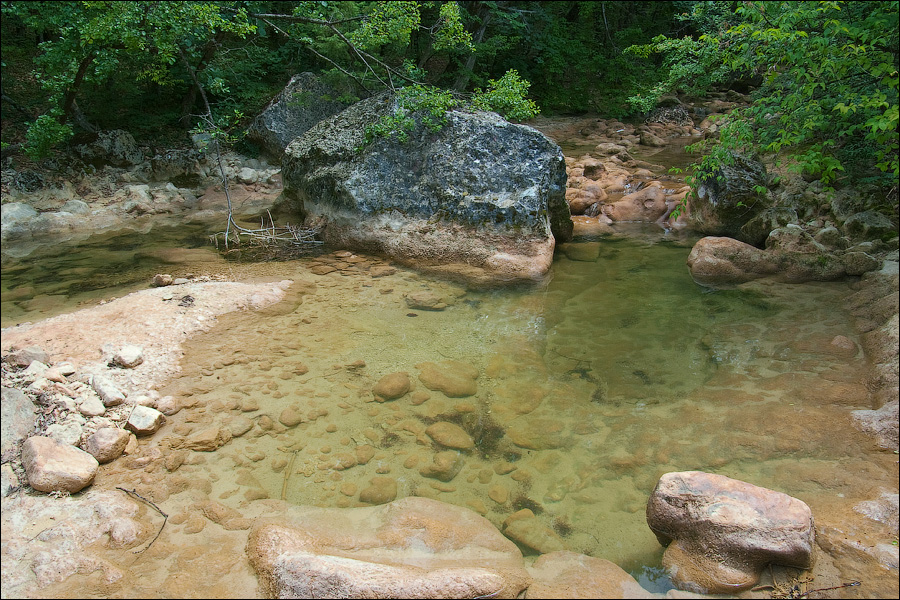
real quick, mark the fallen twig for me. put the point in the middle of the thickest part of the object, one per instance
(287, 474)
(151, 503)
(837, 587)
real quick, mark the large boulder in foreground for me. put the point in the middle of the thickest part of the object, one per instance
(52, 466)
(410, 548)
(720, 533)
(481, 198)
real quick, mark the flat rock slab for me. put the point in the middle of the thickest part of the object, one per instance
(720, 533)
(410, 548)
(453, 378)
(572, 575)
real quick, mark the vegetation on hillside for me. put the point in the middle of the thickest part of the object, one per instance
(824, 75)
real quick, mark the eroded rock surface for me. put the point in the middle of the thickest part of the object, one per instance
(481, 192)
(411, 548)
(720, 533)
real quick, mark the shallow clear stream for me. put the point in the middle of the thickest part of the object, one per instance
(590, 386)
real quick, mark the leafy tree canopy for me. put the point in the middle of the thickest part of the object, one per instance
(828, 82)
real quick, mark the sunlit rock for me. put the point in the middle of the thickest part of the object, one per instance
(720, 533)
(144, 420)
(410, 548)
(52, 466)
(107, 444)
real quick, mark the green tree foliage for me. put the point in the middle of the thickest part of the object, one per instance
(140, 65)
(88, 43)
(828, 99)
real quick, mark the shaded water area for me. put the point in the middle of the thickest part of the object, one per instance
(586, 389)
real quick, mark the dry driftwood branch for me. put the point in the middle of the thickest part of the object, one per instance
(134, 494)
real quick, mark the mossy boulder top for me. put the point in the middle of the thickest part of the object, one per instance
(480, 192)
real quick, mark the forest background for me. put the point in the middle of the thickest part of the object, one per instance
(822, 76)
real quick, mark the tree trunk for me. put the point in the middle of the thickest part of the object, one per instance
(69, 107)
(484, 14)
(209, 51)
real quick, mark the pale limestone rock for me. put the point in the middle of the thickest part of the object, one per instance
(109, 393)
(91, 406)
(55, 467)
(25, 356)
(65, 432)
(145, 420)
(107, 444)
(129, 356)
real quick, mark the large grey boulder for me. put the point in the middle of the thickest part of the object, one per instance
(116, 147)
(480, 198)
(303, 102)
(720, 533)
(410, 548)
(728, 197)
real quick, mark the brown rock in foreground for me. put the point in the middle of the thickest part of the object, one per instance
(411, 548)
(721, 532)
(55, 467)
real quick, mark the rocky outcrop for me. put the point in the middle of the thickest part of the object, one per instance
(116, 147)
(720, 533)
(303, 102)
(479, 197)
(791, 256)
(411, 548)
(728, 197)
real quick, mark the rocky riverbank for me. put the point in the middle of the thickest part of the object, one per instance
(104, 533)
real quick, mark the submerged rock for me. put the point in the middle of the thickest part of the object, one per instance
(564, 574)
(410, 548)
(481, 192)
